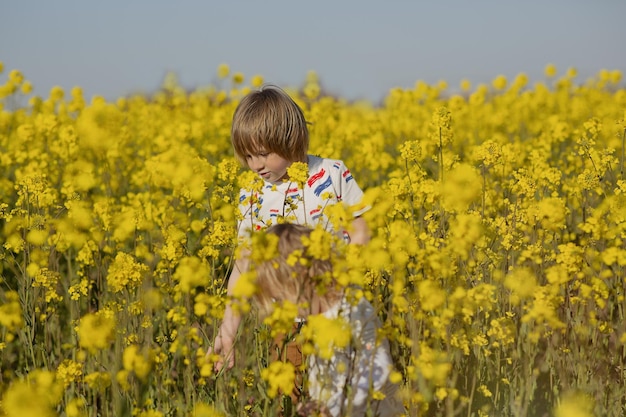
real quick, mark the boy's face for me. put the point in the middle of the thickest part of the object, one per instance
(270, 166)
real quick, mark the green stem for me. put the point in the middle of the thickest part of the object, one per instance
(484, 173)
(408, 175)
(440, 156)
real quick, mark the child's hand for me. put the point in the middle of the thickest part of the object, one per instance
(222, 346)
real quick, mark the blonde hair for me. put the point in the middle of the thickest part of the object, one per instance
(294, 275)
(269, 120)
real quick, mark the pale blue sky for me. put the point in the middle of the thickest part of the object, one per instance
(359, 48)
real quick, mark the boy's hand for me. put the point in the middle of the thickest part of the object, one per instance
(222, 346)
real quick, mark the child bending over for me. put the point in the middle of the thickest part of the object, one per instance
(344, 384)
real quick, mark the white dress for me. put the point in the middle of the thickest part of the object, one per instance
(346, 382)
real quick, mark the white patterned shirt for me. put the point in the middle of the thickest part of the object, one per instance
(329, 182)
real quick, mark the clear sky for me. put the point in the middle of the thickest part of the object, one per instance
(359, 48)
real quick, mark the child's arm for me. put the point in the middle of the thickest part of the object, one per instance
(225, 339)
(360, 233)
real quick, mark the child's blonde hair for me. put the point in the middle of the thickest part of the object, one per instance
(294, 275)
(269, 120)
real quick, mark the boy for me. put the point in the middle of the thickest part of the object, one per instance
(269, 133)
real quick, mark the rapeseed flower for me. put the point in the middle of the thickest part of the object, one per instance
(500, 82)
(325, 335)
(96, 331)
(11, 316)
(19, 398)
(280, 377)
(431, 295)
(463, 186)
(575, 405)
(76, 407)
(138, 361)
(298, 172)
(26, 88)
(205, 410)
(98, 381)
(191, 273)
(69, 371)
(256, 81)
(125, 273)
(522, 282)
(282, 318)
(550, 70)
(223, 70)
(319, 243)
(238, 78)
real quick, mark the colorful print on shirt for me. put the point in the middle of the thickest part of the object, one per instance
(330, 182)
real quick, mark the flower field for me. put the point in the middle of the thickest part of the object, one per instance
(497, 259)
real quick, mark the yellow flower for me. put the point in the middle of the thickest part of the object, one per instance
(16, 77)
(551, 213)
(205, 410)
(431, 295)
(522, 282)
(125, 273)
(485, 391)
(462, 188)
(192, 272)
(499, 83)
(256, 81)
(35, 396)
(76, 407)
(11, 312)
(571, 72)
(238, 78)
(311, 91)
(138, 362)
(550, 70)
(264, 247)
(575, 405)
(56, 93)
(98, 381)
(96, 331)
(319, 244)
(223, 70)
(245, 286)
(432, 365)
(280, 376)
(69, 371)
(27, 87)
(282, 318)
(298, 172)
(326, 334)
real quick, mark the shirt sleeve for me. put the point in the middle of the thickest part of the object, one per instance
(348, 190)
